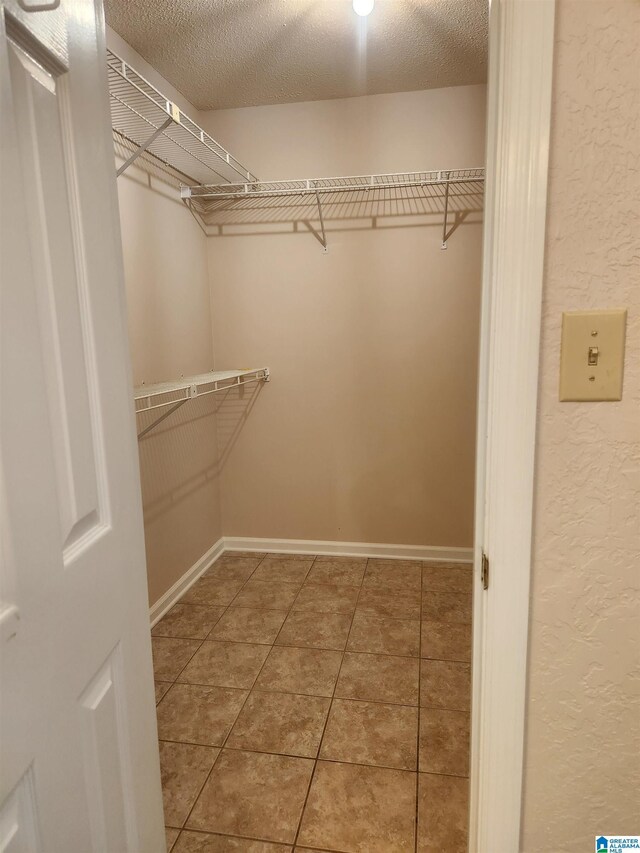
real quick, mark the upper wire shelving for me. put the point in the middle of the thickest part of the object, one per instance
(172, 395)
(142, 115)
(213, 198)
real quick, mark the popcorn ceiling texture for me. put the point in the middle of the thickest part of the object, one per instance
(238, 53)
(583, 727)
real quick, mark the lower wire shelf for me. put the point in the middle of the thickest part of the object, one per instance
(172, 395)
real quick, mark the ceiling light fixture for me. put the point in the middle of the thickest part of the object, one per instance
(363, 7)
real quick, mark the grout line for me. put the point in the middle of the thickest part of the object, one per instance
(417, 807)
(225, 739)
(260, 840)
(311, 695)
(236, 719)
(294, 755)
(197, 797)
(326, 722)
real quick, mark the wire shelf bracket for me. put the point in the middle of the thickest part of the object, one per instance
(153, 123)
(220, 197)
(171, 396)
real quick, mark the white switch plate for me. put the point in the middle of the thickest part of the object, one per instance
(603, 332)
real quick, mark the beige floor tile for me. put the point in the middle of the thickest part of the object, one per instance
(211, 590)
(234, 566)
(360, 809)
(189, 621)
(312, 672)
(315, 630)
(205, 842)
(371, 733)
(348, 571)
(225, 664)
(327, 598)
(446, 641)
(443, 813)
(384, 635)
(161, 689)
(171, 837)
(267, 595)
(194, 714)
(170, 656)
(458, 579)
(287, 570)
(281, 722)
(379, 678)
(445, 684)
(380, 602)
(444, 742)
(248, 625)
(184, 768)
(400, 575)
(253, 794)
(229, 572)
(446, 607)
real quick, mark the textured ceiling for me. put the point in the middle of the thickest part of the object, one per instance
(235, 53)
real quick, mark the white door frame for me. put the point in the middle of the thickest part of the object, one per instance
(518, 122)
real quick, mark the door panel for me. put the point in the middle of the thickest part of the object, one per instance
(42, 111)
(107, 768)
(79, 767)
(18, 819)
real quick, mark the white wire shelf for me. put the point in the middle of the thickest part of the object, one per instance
(153, 123)
(307, 186)
(173, 395)
(207, 201)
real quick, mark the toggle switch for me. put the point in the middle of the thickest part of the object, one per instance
(592, 358)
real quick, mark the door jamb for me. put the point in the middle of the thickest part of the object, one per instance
(521, 44)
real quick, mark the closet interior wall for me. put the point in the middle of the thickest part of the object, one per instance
(366, 432)
(170, 335)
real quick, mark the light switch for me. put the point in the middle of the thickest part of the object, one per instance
(592, 359)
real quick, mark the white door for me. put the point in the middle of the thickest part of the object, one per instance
(79, 767)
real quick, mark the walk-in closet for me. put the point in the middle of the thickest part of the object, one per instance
(300, 190)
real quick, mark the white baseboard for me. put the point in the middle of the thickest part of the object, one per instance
(432, 553)
(428, 553)
(171, 596)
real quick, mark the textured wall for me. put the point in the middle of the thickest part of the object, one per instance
(367, 431)
(583, 729)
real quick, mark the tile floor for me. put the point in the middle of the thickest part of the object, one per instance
(317, 704)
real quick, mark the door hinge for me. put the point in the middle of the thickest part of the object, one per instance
(484, 572)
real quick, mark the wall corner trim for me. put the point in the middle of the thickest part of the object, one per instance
(521, 50)
(175, 593)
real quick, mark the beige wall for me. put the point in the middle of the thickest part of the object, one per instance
(165, 260)
(583, 728)
(366, 432)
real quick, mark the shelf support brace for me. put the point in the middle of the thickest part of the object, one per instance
(323, 240)
(446, 212)
(162, 417)
(144, 146)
